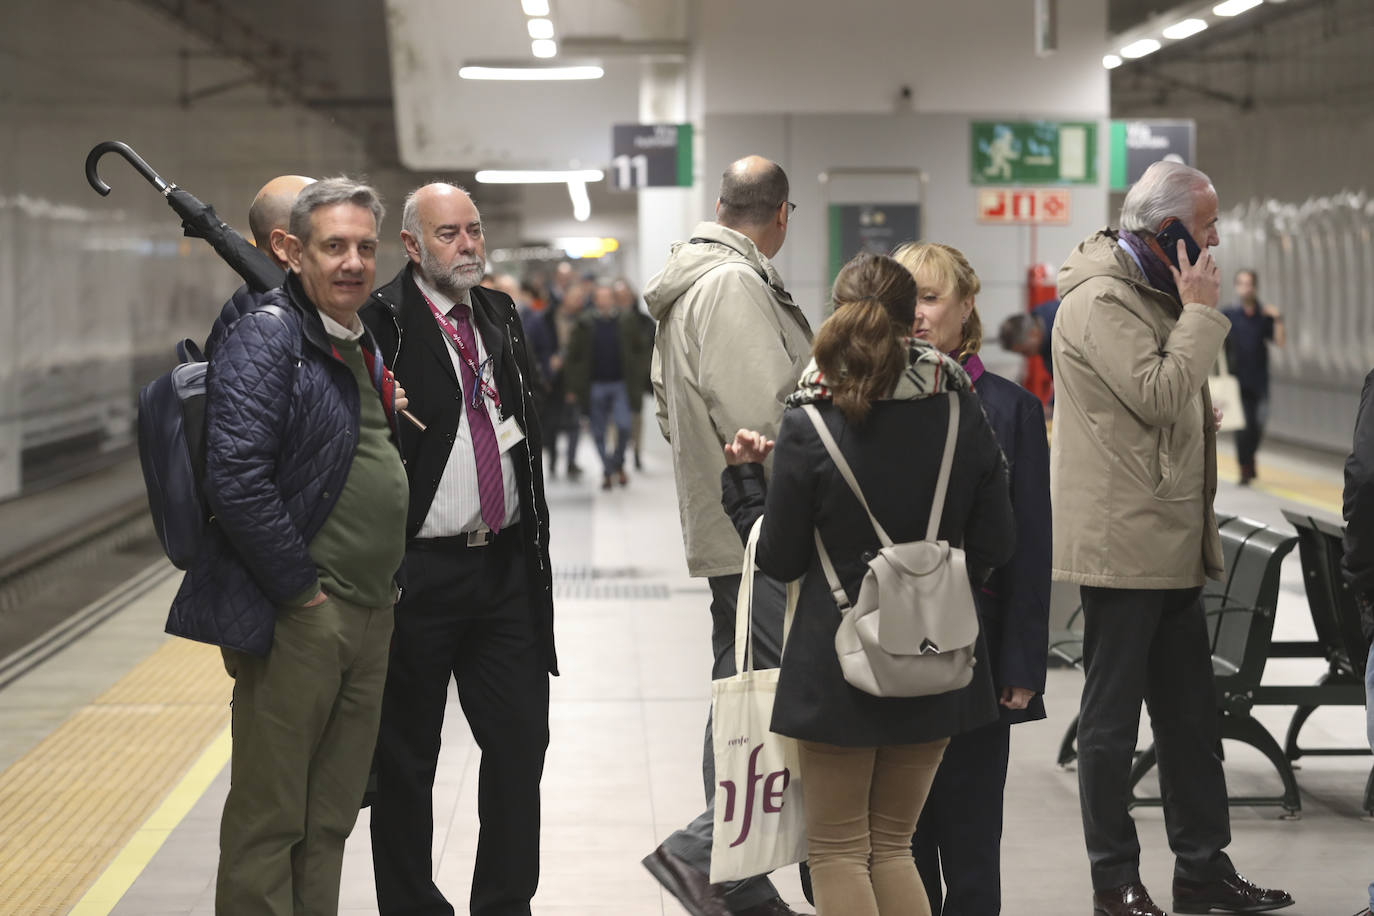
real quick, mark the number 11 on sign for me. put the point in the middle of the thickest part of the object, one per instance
(623, 165)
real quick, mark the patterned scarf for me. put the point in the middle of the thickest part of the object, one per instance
(928, 373)
(1156, 269)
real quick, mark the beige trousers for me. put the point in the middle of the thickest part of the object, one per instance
(862, 804)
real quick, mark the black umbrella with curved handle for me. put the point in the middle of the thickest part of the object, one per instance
(198, 220)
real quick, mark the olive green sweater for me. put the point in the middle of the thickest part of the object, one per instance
(362, 542)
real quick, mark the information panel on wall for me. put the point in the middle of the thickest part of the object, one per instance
(875, 228)
(651, 156)
(1137, 145)
(1033, 152)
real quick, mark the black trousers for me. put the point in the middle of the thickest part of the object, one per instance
(1151, 645)
(466, 615)
(1255, 406)
(960, 830)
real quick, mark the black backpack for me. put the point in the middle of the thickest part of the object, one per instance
(171, 448)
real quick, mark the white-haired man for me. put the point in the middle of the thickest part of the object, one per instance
(478, 602)
(1132, 478)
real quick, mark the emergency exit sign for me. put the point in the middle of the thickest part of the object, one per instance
(1032, 152)
(1023, 206)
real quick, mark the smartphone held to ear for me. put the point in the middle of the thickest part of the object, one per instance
(1168, 239)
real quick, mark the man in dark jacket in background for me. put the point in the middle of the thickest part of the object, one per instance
(1358, 563)
(607, 362)
(478, 604)
(308, 494)
(268, 218)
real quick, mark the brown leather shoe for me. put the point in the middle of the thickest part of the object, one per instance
(1126, 900)
(692, 887)
(1232, 894)
(774, 907)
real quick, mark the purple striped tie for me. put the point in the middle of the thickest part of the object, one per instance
(490, 487)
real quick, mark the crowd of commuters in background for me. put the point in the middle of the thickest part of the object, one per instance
(333, 485)
(591, 342)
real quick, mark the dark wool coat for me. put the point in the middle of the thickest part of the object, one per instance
(1014, 604)
(895, 455)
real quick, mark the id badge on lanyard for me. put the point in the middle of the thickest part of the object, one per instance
(478, 370)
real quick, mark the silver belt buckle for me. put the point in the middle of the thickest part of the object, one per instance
(480, 537)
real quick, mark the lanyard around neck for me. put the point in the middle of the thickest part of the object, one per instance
(474, 367)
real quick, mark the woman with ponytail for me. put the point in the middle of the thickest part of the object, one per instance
(960, 831)
(867, 761)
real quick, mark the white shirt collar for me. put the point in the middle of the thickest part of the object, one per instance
(443, 303)
(334, 329)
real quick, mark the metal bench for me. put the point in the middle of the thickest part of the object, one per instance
(1067, 645)
(1240, 624)
(1340, 641)
(1240, 620)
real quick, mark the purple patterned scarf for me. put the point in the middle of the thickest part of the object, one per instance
(1156, 269)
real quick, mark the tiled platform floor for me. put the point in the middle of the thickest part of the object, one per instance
(623, 767)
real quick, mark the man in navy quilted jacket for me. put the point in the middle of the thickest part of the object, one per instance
(309, 496)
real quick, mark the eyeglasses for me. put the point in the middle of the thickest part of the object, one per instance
(791, 208)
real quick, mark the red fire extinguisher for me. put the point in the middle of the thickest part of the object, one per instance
(1041, 287)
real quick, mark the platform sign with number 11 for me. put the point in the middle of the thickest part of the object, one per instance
(651, 156)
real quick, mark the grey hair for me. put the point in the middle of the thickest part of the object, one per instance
(328, 193)
(1166, 189)
(410, 210)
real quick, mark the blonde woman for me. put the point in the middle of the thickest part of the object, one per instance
(868, 761)
(960, 831)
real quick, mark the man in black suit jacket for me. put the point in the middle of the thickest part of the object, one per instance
(478, 596)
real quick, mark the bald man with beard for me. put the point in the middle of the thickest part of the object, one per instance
(478, 601)
(267, 218)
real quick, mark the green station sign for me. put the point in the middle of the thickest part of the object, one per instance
(651, 156)
(1033, 152)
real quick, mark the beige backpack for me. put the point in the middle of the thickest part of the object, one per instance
(913, 628)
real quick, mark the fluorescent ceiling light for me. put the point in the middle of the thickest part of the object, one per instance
(1140, 48)
(537, 176)
(540, 28)
(586, 72)
(1111, 61)
(1235, 7)
(582, 204)
(535, 7)
(1184, 29)
(543, 47)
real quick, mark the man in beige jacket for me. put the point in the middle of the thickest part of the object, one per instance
(730, 347)
(1132, 479)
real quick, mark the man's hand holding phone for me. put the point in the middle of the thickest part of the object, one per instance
(1199, 281)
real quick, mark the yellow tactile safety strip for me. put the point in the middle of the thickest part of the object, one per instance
(1286, 485)
(73, 802)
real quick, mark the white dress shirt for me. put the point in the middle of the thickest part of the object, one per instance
(457, 505)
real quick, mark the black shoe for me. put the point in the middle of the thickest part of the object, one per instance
(774, 907)
(1232, 894)
(606, 482)
(692, 887)
(1126, 900)
(574, 472)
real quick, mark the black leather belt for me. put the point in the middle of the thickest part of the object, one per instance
(473, 539)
